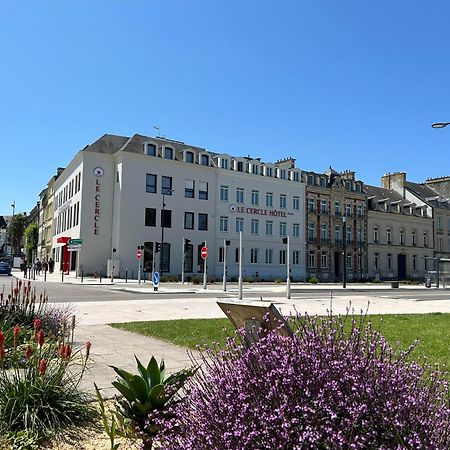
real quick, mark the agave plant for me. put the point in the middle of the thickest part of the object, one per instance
(148, 392)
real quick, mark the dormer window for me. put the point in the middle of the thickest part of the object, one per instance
(269, 172)
(294, 175)
(168, 153)
(348, 186)
(189, 157)
(255, 169)
(240, 166)
(310, 179)
(204, 160)
(323, 183)
(224, 163)
(151, 149)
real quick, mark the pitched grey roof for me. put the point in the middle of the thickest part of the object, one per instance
(108, 143)
(428, 195)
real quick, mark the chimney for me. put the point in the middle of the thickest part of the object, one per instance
(395, 181)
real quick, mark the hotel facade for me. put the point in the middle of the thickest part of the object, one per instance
(120, 193)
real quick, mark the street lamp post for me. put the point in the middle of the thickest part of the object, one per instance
(166, 191)
(344, 255)
(240, 267)
(288, 268)
(226, 243)
(13, 205)
(440, 124)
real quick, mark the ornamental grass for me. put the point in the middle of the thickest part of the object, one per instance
(330, 386)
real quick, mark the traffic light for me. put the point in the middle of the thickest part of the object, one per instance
(285, 240)
(140, 247)
(186, 244)
(157, 247)
(227, 243)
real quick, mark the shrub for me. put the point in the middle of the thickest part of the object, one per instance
(278, 281)
(313, 280)
(249, 280)
(195, 279)
(324, 387)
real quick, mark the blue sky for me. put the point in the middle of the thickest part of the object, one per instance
(354, 84)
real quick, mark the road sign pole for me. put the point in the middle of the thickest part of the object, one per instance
(139, 272)
(204, 270)
(224, 265)
(182, 261)
(288, 270)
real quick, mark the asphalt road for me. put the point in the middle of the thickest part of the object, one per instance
(74, 293)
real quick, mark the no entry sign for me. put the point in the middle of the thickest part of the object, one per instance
(139, 254)
(204, 252)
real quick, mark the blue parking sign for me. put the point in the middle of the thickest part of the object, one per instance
(156, 278)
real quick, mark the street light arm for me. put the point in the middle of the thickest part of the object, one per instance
(440, 124)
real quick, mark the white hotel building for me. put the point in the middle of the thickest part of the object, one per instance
(111, 195)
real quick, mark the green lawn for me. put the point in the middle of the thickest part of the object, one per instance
(432, 330)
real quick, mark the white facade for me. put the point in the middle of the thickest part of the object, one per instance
(111, 196)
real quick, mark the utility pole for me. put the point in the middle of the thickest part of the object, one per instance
(344, 255)
(240, 267)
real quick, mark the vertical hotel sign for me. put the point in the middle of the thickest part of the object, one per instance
(98, 173)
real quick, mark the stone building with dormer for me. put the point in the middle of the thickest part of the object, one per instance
(336, 210)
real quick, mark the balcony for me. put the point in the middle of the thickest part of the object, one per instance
(337, 214)
(324, 240)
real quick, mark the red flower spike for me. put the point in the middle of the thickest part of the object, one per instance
(42, 367)
(88, 349)
(37, 324)
(16, 332)
(41, 338)
(67, 351)
(28, 352)
(2, 338)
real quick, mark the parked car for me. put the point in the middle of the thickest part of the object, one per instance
(5, 268)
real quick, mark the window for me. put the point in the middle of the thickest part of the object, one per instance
(189, 258)
(269, 256)
(168, 153)
(413, 238)
(337, 233)
(375, 235)
(358, 261)
(312, 260)
(255, 197)
(221, 254)
(296, 230)
(151, 150)
(323, 232)
(311, 231)
(439, 223)
(348, 185)
(224, 163)
(188, 220)
(296, 203)
(254, 256)
(203, 190)
(189, 188)
(348, 209)
(348, 233)
(223, 224)
(255, 169)
(254, 226)
(360, 210)
(401, 237)
(236, 254)
(426, 262)
(150, 217)
(282, 201)
(269, 199)
(322, 182)
(239, 224)
(224, 193)
(282, 229)
(189, 157)
(375, 261)
(282, 256)
(239, 195)
(240, 166)
(337, 208)
(296, 257)
(359, 234)
(202, 221)
(269, 228)
(269, 172)
(425, 239)
(166, 185)
(323, 206)
(295, 176)
(440, 245)
(414, 262)
(349, 261)
(166, 218)
(204, 160)
(311, 206)
(310, 179)
(150, 183)
(388, 235)
(389, 261)
(324, 260)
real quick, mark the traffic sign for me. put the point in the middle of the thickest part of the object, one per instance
(156, 278)
(75, 241)
(73, 248)
(139, 254)
(204, 252)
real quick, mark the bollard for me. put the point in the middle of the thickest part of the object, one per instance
(62, 276)
(100, 276)
(126, 275)
(82, 275)
(45, 275)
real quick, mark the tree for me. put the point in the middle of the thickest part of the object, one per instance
(16, 228)
(32, 238)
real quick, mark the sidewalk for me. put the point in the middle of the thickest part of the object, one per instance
(111, 346)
